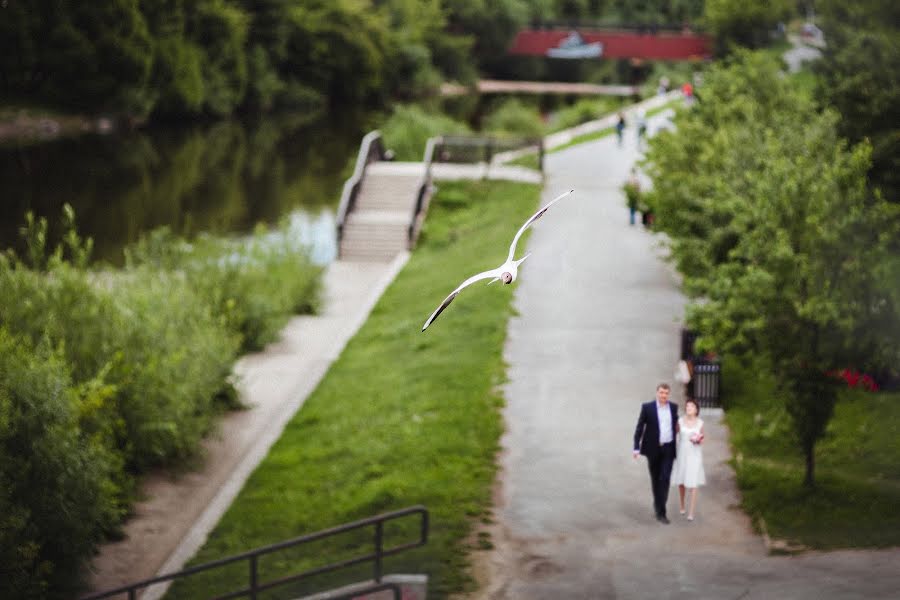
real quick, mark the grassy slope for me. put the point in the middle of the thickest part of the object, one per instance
(402, 417)
(856, 500)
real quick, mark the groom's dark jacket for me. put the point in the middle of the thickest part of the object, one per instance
(648, 428)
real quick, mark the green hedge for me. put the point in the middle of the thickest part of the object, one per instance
(105, 374)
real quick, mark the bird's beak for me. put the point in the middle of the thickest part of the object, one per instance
(493, 280)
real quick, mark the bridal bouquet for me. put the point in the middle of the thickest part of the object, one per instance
(697, 438)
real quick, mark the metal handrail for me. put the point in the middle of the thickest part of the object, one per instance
(253, 556)
(491, 145)
(371, 149)
(423, 194)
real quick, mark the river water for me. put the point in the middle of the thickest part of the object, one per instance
(224, 178)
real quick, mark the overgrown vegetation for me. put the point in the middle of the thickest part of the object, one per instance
(408, 128)
(105, 374)
(394, 423)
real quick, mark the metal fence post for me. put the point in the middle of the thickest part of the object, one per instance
(254, 577)
(379, 542)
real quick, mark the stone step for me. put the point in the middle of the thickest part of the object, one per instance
(378, 217)
(354, 255)
(415, 169)
(373, 248)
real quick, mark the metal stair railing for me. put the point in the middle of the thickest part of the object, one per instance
(473, 149)
(252, 557)
(371, 149)
(423, 192)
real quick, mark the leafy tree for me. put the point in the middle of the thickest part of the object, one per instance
(860, 78)
(220, 30)
(744, 22)
(777, 237)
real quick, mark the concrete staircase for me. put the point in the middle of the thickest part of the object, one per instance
(377, 228)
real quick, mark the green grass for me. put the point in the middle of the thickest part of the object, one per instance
(401, 418)
(857, 494)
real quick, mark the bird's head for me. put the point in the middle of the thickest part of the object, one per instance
(506, 277)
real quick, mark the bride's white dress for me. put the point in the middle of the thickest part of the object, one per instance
(688, 468)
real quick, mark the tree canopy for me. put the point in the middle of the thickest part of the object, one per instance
(784, 250)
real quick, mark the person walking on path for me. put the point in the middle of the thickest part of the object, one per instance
(654, 437)
(641, 128)
(632, 189)
(620, 128)
(688, 470)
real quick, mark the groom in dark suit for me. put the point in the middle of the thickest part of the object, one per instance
(654, 437)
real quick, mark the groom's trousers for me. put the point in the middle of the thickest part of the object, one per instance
(660, 476)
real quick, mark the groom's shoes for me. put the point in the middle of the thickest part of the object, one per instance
(662, 519)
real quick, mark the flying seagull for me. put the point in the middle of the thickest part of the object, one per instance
(506, 272)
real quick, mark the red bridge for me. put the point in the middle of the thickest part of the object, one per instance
(588, 43)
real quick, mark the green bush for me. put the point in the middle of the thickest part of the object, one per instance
(253, 286)
(57, 494)
(409, 127)
(514, 118)
(130, 370)
(584, 110)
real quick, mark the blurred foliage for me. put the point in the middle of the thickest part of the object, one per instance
(512, 117)
(175, 58)
(785, 251)
(179, 58)
(407, 130)
(860, 77)
(744, 23)
(106, 374)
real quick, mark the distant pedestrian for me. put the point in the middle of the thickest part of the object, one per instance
(654, 437)
(688, 473)
(641, 128)
(687, 90)
(633, 194)
(663, 85)
(620, 128)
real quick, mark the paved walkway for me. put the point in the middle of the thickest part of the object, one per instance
(178, 513)
(598, 327)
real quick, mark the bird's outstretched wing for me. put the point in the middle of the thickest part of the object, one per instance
(485, 275)
(534, 217)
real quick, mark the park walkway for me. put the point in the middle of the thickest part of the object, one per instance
(599, 314)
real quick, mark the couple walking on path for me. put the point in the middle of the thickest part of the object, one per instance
(673, 449)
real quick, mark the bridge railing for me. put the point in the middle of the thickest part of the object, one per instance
(252, 558)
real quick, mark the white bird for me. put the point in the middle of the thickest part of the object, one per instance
(507, 272)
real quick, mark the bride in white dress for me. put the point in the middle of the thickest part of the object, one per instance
(688, 470)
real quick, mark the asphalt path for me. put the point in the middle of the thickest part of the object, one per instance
(599, 315)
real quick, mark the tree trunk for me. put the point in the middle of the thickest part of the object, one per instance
(810, 479)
